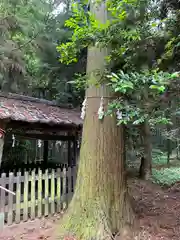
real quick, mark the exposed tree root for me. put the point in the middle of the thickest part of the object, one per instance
(93, 221)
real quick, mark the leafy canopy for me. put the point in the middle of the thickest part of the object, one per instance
(137, 37)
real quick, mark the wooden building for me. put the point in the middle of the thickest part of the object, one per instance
(31, 118)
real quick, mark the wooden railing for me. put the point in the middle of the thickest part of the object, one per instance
(37, 193)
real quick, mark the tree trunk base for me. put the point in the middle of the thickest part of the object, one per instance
(93, 221)
(146, 176)
(144, 171)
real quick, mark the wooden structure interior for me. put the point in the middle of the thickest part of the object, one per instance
(37, 127)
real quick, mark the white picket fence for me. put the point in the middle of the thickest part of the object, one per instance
(37, 193)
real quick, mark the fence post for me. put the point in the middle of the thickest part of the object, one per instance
(26, 196)
(10, 199)
(74, 176)
(39, 193)
(33, 198)
(58, 190)
(2, 199)
(18, 197)
(52, 191)
(69, 173)
(46, 211)
(2, 184)
(64, 196)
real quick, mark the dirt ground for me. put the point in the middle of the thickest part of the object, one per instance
(43, 229)
(157, 209)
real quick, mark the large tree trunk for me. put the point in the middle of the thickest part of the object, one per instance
(146, 160)
(100, 205)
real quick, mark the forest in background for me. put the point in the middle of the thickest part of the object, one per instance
(29, 62)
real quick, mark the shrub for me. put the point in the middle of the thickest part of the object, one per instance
(166, 176)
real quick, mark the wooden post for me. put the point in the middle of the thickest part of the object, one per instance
(69, 181)
(2, 201)
(45, 154)
(10, 199)
(18, 198)
(75, 150)
(69, 153)
(39, 193)
(33, 194)
(58, 190)
(52, 192)
(64, 193)
(46, 211)
(2, 134)
(26, 196)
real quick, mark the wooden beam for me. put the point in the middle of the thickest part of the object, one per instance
(37, 132)
(45, 137)
(56, 129)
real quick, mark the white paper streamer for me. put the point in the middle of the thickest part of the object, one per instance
(119, 115)
(13, 141)
(83, 109)
(39, 143)
(101, 109)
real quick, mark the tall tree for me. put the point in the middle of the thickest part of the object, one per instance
(100, 206)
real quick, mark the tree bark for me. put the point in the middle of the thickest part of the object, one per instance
(145, 170)
(100, 206)
(100, 203)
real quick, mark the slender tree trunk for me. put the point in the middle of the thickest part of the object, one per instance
(146, 161)
(168, 128)
(168, 144)
(177, 144)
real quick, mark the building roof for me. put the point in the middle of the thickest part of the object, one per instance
(32, 110)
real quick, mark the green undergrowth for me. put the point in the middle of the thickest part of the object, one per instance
(160, 160)
(157, 160)
(166, 176)
(163, 174)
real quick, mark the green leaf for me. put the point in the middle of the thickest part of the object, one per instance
(115, 75)
(117, 89)
(175, 75)
(162, 89)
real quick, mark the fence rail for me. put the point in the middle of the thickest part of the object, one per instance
(37, 193)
